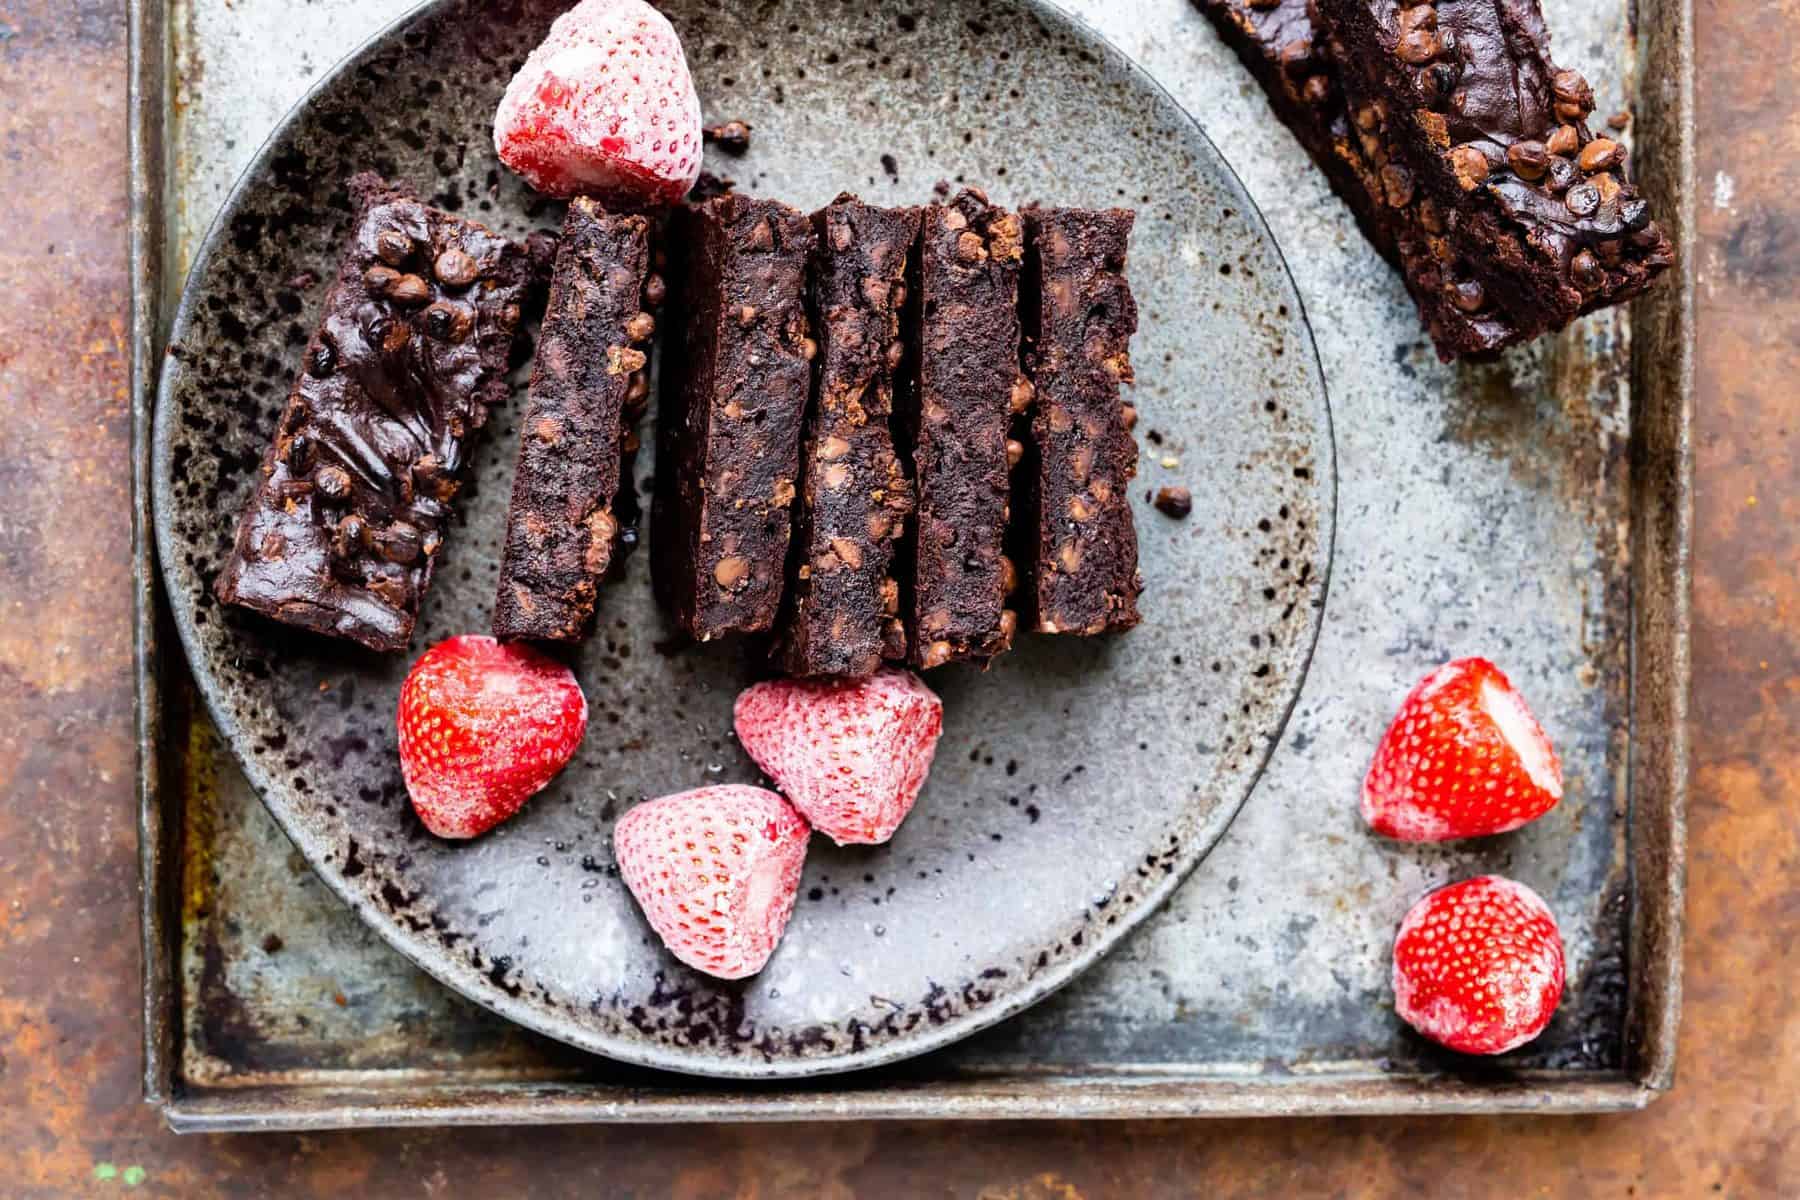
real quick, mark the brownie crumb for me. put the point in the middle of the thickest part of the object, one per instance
(272, 944)
(710, 186)
(1175, 502)
(733, 137)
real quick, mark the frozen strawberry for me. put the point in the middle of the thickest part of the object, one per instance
(484, 726)
(1463, 758)
(1478, 966)
(604, 107)
(850, 754)
(716, 871)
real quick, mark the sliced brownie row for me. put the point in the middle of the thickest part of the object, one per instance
(857, 507)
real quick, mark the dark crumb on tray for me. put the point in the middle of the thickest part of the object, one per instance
(730, 136)
(1175, 502)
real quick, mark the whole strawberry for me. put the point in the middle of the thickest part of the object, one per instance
(1463, 758)
(1478, 966)
(604, 107)
(484, 726)
(850, 754)
(716, 871)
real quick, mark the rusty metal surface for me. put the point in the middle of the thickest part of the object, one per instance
(1529, 462)
(68, 1025)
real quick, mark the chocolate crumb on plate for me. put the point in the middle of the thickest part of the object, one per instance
(1175, 502)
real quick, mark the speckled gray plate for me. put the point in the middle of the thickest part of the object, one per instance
(1077, 782)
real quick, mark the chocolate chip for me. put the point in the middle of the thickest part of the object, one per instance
(454, 268)
(380, 280)
(655, 291)
(1574, 98)
(352, 535)
(1563, 174)
(1316, 90)
(409, 290)
(297, 452)
(448, 322)
(1470, 165)
(1469, 296)
(1175, 502)
(1601, 154)
(1582, 199)
(393, 247)
(399, 543)
(1563, 140)
(1585, 269)
(333, 481)
(1529, 160)
(1015, 452)
(1635, 213)
(1418, 47)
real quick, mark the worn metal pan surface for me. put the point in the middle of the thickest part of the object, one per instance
(1078, 782)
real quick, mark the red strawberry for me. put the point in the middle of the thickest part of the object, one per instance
(484, 726)
(716, 871)
(1463, 758)
(604, 107)
(1478, 965)
(850, 754)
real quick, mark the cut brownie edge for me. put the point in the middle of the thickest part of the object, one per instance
(588, 385)
(1079, 321)
(842, 615)
(733, 401)
(963, 386)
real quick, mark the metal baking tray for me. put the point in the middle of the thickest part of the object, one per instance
(1537, 509)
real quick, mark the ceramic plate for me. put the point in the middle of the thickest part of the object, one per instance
(1077, 782)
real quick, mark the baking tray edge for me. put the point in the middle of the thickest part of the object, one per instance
(1661, 480)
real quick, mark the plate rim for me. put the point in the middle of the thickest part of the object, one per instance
(649, 1054)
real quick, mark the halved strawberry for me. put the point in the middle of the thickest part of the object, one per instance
(484, 726)
(850, 754)
(1478, 965)
(716, 871)
(1463, 758)
(604, 107)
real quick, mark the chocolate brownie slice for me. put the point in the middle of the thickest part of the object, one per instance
(1079, 316)
(956, 423)
(1497, 136)
(1296, 60)
(843, 616)
(590, 372)
(346, 523)
(734, 389)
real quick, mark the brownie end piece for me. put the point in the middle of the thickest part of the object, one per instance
(349, 515)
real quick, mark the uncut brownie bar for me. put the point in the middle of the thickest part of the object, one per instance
(734, 393)
(1079, 316)
(1497, 137)
(588, 377)
(347, 520)
(844, 603)
(956, 422)
(1297, 62)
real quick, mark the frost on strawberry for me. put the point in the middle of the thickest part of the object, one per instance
(1478, 966)
(483, 726)
(715, 871)
(1464, 757)
(852, 755)
(604, 107)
